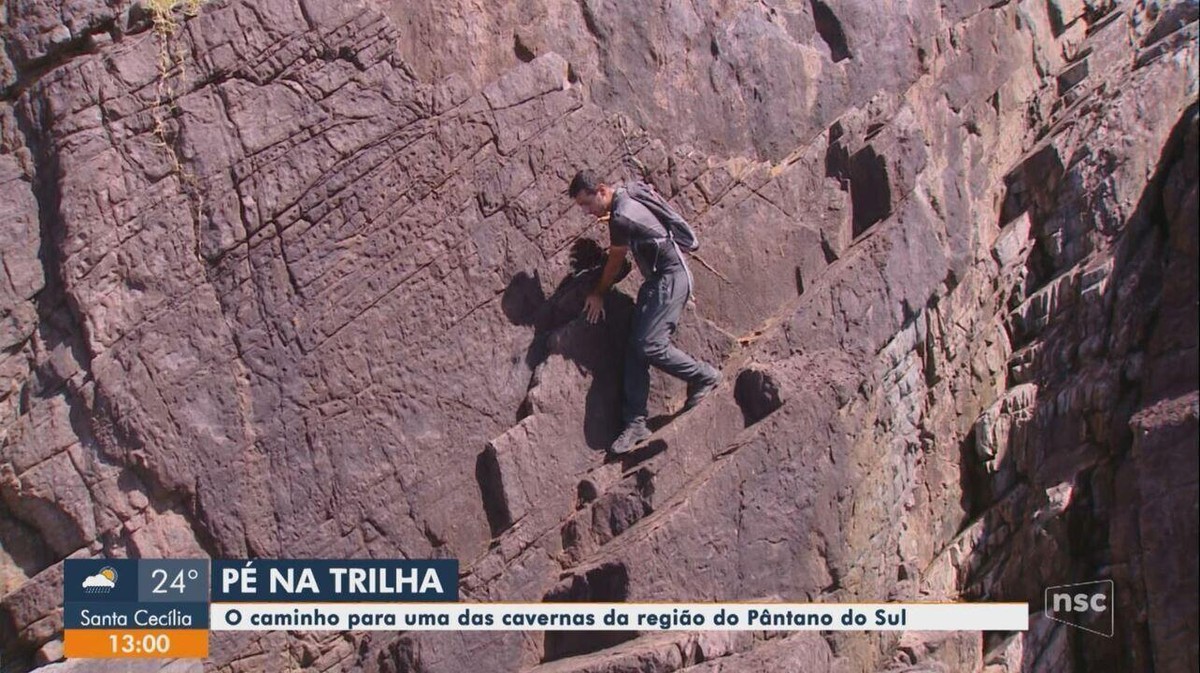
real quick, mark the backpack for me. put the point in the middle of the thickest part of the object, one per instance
(678, 230)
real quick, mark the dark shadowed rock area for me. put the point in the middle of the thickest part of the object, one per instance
(298, 278)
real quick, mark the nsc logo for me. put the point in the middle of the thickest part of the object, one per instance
(1085, 605)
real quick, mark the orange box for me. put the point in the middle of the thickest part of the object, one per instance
(140, 643)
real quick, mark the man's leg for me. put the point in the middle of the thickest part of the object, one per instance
(636, 383)
(660, 303)
(654, 328)
(636, 376)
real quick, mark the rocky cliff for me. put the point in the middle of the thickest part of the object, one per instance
(298, 278)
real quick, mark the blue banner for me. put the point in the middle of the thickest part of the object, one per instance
(135, 580)
(333, 580)
(119, 594)
(95, 580)
(113, 615)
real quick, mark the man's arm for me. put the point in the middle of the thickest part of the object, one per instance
(612, 268)
(593, 306)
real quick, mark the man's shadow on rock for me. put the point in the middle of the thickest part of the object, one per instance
(561, 329)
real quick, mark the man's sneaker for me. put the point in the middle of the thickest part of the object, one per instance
(701, 389)
(630, 437)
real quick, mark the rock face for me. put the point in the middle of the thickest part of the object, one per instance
(298, 278)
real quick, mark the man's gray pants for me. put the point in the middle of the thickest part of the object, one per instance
(659, 304)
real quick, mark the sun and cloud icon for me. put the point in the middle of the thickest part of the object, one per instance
(102, 582)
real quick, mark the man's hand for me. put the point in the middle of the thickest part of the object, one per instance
(593, 308)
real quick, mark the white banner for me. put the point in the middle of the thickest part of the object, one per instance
(619, 616)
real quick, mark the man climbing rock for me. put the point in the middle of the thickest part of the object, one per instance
(661, 298)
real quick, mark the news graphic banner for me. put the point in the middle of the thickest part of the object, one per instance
(166, 608)
(161, 608)
(325, 581)
(621, 617)
(135, 608)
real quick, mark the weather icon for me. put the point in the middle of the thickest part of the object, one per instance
(102, 582)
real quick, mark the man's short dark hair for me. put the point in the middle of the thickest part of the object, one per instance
(584, 181)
